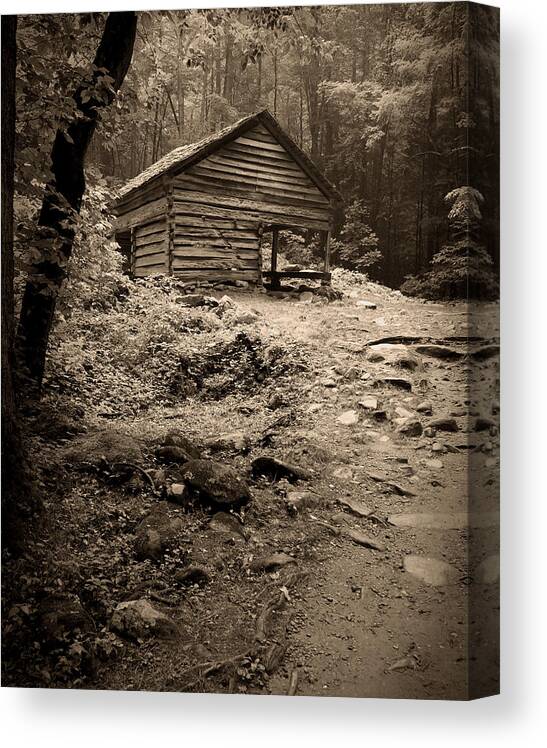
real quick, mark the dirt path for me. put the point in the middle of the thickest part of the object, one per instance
(387, 621)
(365, 626)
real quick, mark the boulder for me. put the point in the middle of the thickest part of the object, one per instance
(213, 481)
(439, 351)
(444, 424)
(271, 563)
(298, 500)
(397, 382)
(275, 469)
(425, 407)
(158, 532)
(306, 297)
(411, 427)
(229, 526)
(368, 403)
(366, 304)
(138, 619)
(174, 438)
(349, 418)
(235, 441)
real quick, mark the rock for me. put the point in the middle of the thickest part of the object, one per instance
(405, 361)
(157, 533)
(445, 521)
(62, 615)
(178, 493)
(429, 432)
(366, 304)
(271, 563)
(138, 619)
(364, 540)
(349, 418)
(306, 297)
(298, 500)
(425, 407)
(488, 571)
(434, 464)
(193, 575)
(177, 448)
(194, 299)
(235, 441)
(355, 507)
(444, 424)
(485, 424)
(106, 444)
(403, 412)
(216, 482)
(379, 415)
(368, 403)
(275, 469)
(411, 427)
(439, 351)
(244, 317)
(398, 382)
(241, 284)
(342, 473)
(229, 526)
(431, 570)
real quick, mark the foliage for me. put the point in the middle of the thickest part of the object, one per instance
(461, 269)
(357, 245)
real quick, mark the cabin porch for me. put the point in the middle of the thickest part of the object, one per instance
(275, 276)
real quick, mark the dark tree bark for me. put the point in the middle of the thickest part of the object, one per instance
(16, 484)
(63, 196)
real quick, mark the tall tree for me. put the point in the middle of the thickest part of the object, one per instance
(63, 195)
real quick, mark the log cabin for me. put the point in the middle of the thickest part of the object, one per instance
(202, 210)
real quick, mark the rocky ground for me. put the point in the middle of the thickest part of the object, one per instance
(308, 513)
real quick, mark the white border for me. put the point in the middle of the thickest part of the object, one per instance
(91, 719)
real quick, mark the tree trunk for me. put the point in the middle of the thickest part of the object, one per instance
(16, 488)
(63, 196)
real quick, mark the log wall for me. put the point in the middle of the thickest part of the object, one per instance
(221, 205)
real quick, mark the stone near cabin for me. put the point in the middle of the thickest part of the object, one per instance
(138, 619)
(215, 482)
(439, 351)
(306, 297)
(411, 427)
(178, 493)
(229, 526)
(158, 532)
(365, 540)
(486, 424)
(397, 382)
(297, 501)
(444, 424)
(271, 563)
(349, 418)
(366, 304)
(275, 469)
(235, 441)
(368, 403)
(425, 407)
(430, 570)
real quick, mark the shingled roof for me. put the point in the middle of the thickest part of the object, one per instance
(186, 155)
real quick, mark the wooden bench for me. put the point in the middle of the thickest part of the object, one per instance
(275, 276)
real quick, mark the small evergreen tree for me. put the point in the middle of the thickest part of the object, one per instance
(357, 246)
(461, 269)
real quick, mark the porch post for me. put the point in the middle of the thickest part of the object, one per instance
(326, 264)
(275, 240)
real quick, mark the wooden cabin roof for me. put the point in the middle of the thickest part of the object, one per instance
(185, 156)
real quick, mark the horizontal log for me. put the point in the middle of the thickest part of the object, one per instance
(152, 249)
(154, 227)
(228, 233)
(155, 270)
(249, 204)
(153, 260)
(275, 156)
(251, 164)
(263, 194)
(153, 240)
(214, 175)
(257, 216)
(207, 223)
(217, 275)
(258, 144)
(141, 216)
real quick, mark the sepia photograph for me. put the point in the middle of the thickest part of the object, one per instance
(250, 350)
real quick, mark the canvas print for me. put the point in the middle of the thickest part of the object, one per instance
(250, 350)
